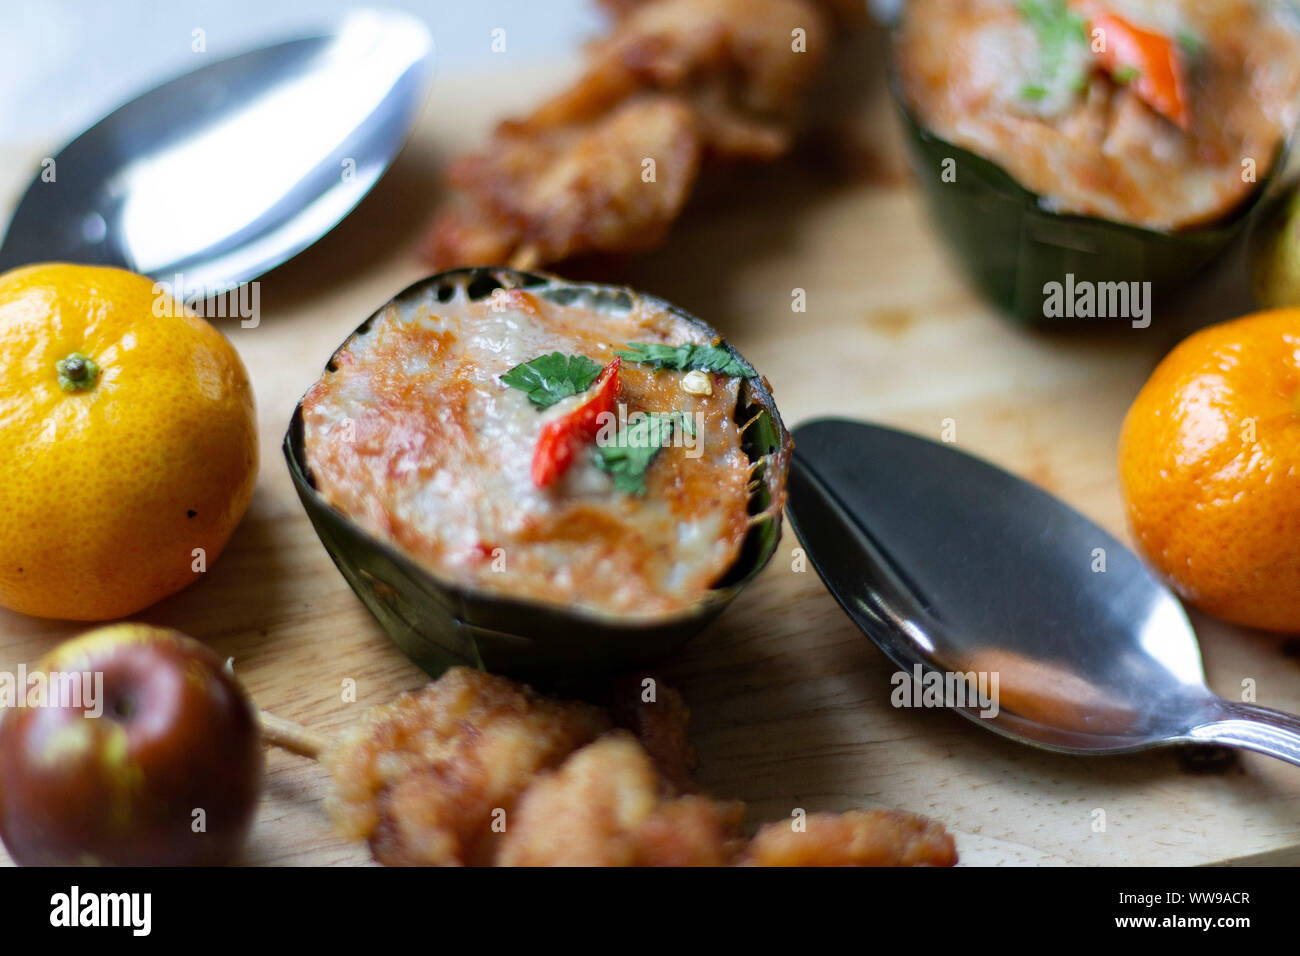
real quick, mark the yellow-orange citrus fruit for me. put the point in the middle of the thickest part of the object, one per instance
(1210, 467)
(129, 442)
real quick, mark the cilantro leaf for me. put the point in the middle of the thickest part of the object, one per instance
(549, 378)
(1058, 30)
(1191, 43)
(628, 457)
(705, 358)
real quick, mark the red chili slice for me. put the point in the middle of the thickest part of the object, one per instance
(562, 438)
(1153, 59)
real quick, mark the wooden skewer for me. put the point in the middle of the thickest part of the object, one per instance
(525, 258)
(292, 737)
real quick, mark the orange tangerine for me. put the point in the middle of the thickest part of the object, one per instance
(129, 437)
(1210, 469)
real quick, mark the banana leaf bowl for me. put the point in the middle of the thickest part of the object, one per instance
(1011, 245)
(439, 622)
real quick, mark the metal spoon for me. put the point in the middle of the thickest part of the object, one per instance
(950, 563)
(225, 172)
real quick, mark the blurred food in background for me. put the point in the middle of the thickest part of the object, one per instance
(605, 166)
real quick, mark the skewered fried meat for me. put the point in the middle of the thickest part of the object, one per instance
(736, 63)
(607, 806)
(420, 778)
(662, 724)
(856, 838)
(843, 12)
(566, 191)
(430, 778)
(677, 80)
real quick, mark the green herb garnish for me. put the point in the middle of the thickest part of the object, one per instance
(1192, 44)
(1058, 29)
(1126, 74)
(629, 455)
(549, 378)
(705, 358)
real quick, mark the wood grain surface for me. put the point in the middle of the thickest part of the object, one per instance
(791, 703)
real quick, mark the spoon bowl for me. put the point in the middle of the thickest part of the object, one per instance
(225, 172)
(960, 571)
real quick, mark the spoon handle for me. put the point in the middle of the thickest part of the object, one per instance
(1254, 728)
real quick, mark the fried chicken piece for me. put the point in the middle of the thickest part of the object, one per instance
(848, 13)
(421, 778)
(736, 63)
(675, 81)
(621, 8)
(573, 190)
(607, 806)
(662, 725)
(856, 838)
(428, 778)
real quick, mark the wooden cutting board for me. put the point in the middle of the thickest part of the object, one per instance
(791, 703)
